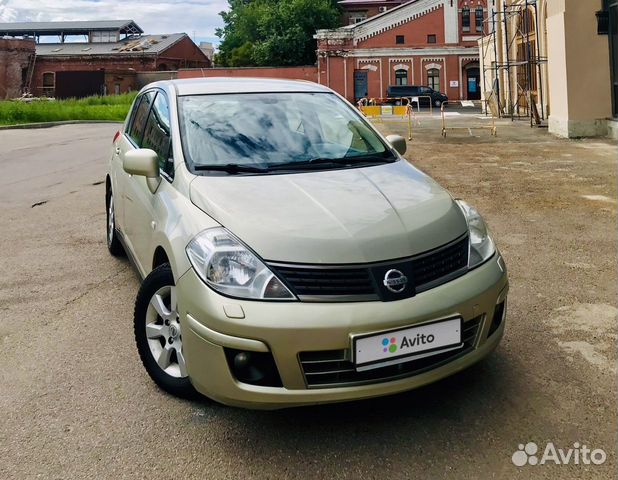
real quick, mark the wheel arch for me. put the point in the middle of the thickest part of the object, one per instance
(160, 257)
(108, 189)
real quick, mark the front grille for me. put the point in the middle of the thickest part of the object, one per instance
(439, 264)
(335, 281)
(365, 282)
(332, 368)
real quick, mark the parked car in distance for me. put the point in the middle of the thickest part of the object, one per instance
(400, 91)
(289, 254)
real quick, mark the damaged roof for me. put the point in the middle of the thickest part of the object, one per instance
(138, 45)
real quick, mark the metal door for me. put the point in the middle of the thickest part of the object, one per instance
(79, 84)
(360, 84)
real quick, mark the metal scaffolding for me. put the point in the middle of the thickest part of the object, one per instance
(515, 61)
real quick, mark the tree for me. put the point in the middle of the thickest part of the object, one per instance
(273, 32)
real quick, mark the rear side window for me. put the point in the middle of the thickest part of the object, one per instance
(157, 133)
(136, 130)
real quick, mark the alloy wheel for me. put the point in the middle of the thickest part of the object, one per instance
(164, 334)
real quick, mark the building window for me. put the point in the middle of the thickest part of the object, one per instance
(400, 39)
(401, 77)
(49, 84)
(431, 39)
(356, 17)
(433, 79)
(479, 19)
(465, 19)
(104, 37)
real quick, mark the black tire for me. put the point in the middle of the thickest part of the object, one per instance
(113, 242)
(159, 278)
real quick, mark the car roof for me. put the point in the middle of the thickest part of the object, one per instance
(213, 85)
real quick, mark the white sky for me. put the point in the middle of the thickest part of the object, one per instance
(197, 18)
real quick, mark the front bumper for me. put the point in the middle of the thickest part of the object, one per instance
(211, 322)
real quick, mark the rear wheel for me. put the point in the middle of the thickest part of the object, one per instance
(158, 335)
(113, 242)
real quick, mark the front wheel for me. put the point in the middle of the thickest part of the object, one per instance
(158, 334)
(437, 103)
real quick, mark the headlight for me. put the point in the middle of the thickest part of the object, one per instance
(230, 268)
(481, 245)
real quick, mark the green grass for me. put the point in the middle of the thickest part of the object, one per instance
(112, 107)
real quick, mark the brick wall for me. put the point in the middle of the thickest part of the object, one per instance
(309, 72)
(183, 54)
(414, 33)
(118, 71)
(14, 59)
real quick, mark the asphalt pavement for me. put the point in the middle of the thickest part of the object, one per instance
(75, 401)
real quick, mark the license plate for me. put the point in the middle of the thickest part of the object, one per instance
(397, 346)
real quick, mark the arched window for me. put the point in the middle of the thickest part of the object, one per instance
(433, 79)
(401, 77)
(465, 19)
(478, 16)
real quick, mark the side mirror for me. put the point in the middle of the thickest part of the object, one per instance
(398, 143)
(143, 162)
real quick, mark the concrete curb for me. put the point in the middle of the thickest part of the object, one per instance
(22, 126)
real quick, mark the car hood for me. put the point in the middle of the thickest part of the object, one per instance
(333, 216)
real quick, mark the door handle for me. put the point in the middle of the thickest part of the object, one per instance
(117, 150)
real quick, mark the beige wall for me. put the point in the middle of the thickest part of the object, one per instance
(576, 78)
(579, 76)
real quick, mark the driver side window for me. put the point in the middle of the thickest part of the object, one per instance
(142, 107)
(157, 134)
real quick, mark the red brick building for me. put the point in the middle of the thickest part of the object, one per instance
(100, 57)
(420, 42)
(16, 58)
(356, 11)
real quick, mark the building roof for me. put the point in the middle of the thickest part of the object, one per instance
(378, 24)
(139, 45)
(70, 28)
(370, 2)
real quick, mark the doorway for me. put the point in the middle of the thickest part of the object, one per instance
(473, 79)
(360, 84)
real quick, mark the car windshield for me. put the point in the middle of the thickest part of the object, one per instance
(268, 131)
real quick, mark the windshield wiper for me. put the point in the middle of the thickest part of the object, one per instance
(334, 162)
(231, 168)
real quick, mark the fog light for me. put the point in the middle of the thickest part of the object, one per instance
(255, 368)
(241, 360)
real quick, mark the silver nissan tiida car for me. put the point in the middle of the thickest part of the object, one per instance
(290, 255)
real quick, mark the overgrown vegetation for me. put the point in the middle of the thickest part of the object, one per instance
(273, 32)
(112, 107)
